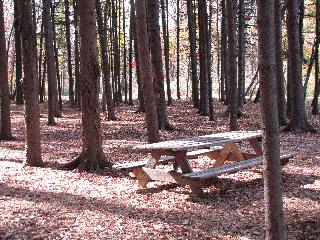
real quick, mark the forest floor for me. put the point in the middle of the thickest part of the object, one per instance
(49, 203)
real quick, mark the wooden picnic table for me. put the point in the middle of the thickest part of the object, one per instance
(220, 147)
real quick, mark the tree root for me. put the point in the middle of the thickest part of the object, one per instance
(89, 162)
(307, 127)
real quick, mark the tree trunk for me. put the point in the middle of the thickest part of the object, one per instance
(232, 68)
(315, 101)
(298, 121)
(92, 157)
(165, 34)
(156, 59)
(241, 53)
(31, 89)
(51, 65)
(210, 93)
(69, 59)
(105, 63)
(17, 29)
(224, 83)
(77, 55)
(146, 72)
(131, 53)
(281, 97)
(124, 52)
(203, 50)
(178, 50)
(193, 55)
(5, 131)
(275, 225)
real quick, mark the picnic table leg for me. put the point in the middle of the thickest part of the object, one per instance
(182, 161)
(143, 180)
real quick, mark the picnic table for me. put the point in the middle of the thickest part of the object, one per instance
(222, 148)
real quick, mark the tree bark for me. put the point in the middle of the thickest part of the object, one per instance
(275, 225)
(280, 81)
(193, 55)
(51, 65)
(18, 50)
(31, 89)
(92, 157)
(156, 59)
(105, 63)
(298, 121)
(232, 68)
(69, 58)
(146, 72)
(5, 131)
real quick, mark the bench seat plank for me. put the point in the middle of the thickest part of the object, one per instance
(233, 167)
(165, 159)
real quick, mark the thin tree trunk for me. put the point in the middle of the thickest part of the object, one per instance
(275, 225)
(69, 57)
(31, 89)
(241, 53)
(131, 53)
(178, 50)
(146, 70)
(5, 130)
(124, 53)
(210, 93)
(17, 29)
(224, 82)
(77, 55)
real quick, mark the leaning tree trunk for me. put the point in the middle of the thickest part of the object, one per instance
(69, 59)
(275, 225)
(92, 157)
(232, 68)
(5, 131)
(105, 62)
(193, 55)
(298, 119)
(156, 59)
(31, 89)
(51, 65)
(146, 72)
(18, 50)
(281, 96)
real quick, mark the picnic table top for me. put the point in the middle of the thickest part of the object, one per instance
(215, 139)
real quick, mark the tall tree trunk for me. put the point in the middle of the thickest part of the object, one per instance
(124, 52)
(241, 53)
(232, 68)
(203, 50)
(315, 101)
(178, 50)
(210, 93)
(31, 89)
(131, 33)
(18, 50)
(275, 225)
(69, 59)
(92, 157)
(165, 34)
(281, 97)
(77, 55)
(224, 82)
(298, 119)
(146, 71)
(156, 59)
(105, 63)
(193, 55)
(5, 130)
(51, 66)
(301, 19)
(40, 62)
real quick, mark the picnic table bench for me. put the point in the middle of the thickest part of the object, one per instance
(221, 148)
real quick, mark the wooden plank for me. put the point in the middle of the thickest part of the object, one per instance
(233, 167)
(201, 141)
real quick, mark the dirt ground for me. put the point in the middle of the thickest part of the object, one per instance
(49, 203)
